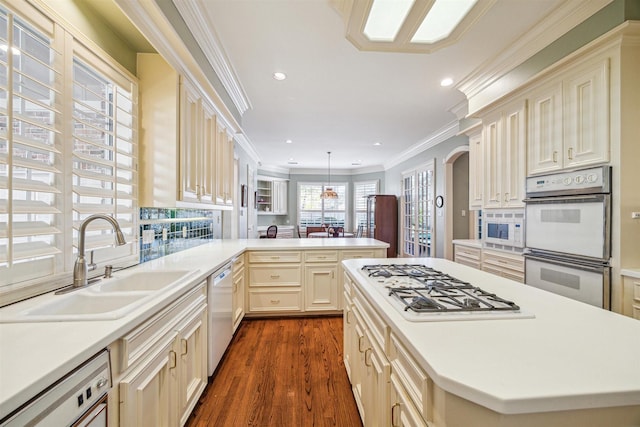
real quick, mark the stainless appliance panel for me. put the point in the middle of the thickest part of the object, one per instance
(589, 283)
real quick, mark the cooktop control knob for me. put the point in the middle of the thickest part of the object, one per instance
(567, 181)
(102, 382)
(579, 179)
(592, 177)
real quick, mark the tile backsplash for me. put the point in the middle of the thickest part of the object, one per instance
(164, 231)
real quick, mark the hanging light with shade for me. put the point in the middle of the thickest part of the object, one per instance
(328, 192)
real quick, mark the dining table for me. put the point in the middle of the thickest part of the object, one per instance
(321, 234)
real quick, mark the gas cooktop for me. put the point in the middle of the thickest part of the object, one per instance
(422, 293)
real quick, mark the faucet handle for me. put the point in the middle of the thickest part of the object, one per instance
(108, 269)
(92, 265)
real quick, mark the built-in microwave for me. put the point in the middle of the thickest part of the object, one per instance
(504, 227)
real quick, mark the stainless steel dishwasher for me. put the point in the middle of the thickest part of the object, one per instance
(220, 315)
(79, 399)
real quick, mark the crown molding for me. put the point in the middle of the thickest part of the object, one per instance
(247, 146)
(153, 24)
(555, 24)
(432, 140)
(201, 26)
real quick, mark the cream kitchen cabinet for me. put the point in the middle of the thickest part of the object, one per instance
(504, 140)
(503, 264)
(186, 155)
(468, 255)
(354, 254)
(631, 291)
(272, 196)
(275, 282)
(238, 291)
(476, 170)
(569, 119)
(160, 366)
(321, 280)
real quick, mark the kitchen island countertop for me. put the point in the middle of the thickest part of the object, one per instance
(570, 356)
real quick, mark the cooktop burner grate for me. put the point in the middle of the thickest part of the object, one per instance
(423, 289)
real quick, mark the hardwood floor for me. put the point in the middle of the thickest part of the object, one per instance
(281, 372)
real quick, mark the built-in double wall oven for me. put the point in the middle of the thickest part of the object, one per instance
(568, 239)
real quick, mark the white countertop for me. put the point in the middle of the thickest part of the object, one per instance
(34, 355)
(631, 272)
(570, 356)
(473, 243)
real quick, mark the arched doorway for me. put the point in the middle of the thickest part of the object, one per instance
(456, 198)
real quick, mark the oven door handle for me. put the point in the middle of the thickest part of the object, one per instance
(584, 198)
(577, 264)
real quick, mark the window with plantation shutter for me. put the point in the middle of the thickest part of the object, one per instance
(314, 211)
(103, 157)
(31, 199)
(360, 192)
(68, 148)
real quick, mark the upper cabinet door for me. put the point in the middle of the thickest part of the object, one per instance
(492, 130)
(476, 170)
(190, 142)
(513, 147)
(586, 115)
(545, 129)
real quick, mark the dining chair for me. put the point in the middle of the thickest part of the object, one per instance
(359, 231)
(272, 232)
(315, 230)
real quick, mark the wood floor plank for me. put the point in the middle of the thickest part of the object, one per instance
(281, 372)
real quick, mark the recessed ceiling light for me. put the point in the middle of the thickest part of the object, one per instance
(288, 141)
(446, 82)
(279, 76)
(377, 143)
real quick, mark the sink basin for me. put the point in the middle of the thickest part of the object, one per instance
(148, 281)
(78, 307)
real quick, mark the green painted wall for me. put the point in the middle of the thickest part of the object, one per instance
(95, 28)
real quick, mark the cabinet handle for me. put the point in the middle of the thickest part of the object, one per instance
(360, 343)
(346, 316)
(173, 358)
(275, 276)
(570, 153)
(393, 414)
(555, 157)
(275, 301)
(365, 357)
(275, 257)
(322, 257)
(506, 197)
(185, 346)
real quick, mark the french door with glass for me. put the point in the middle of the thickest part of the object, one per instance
(418, 232)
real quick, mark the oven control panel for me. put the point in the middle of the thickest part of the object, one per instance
(592, 180)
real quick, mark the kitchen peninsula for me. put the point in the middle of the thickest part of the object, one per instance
(36, 354)
(563, 363)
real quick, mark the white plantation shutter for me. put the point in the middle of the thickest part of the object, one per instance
(314, 211)
(360, 192)
(104, 150)
(68, 149)
(31, 179)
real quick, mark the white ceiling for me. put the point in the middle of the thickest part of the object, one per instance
(339, 99)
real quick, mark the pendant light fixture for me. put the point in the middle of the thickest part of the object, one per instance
(328, 192)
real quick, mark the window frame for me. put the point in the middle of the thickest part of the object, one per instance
(323, 212)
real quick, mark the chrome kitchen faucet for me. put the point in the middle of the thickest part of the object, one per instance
(80, 269)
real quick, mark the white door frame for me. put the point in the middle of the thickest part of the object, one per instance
(448, 161)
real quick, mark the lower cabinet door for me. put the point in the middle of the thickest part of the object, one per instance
(321, 287)
(192, 338)
(377, 372)
(147, 392)
(403, 412)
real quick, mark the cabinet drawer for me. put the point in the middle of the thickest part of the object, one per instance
(468, 262)
(238, 264)
(378, 327)
(416, 382)
(363, 253)
(274, 256)
(282, 275)
(143, 338)
(513, 262)
(321, 256)
(275, 300)
(467, 252)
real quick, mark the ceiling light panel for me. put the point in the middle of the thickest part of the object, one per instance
(385, 19)
(443, 17)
